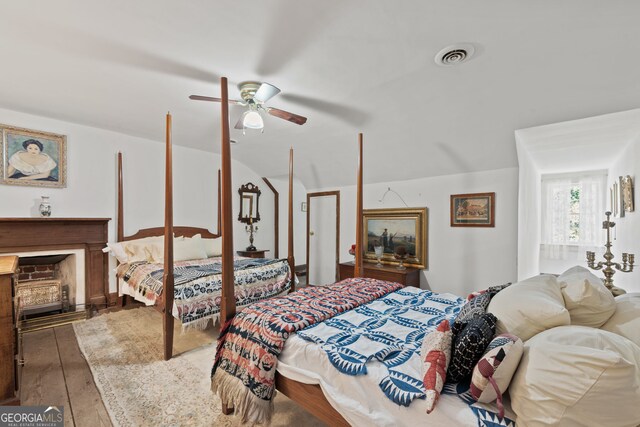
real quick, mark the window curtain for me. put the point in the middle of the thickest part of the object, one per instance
(556, 242)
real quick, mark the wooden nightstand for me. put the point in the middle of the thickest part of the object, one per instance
(253, 254)
(408, 277)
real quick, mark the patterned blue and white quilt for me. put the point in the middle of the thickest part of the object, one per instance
(390, 330)
(198, 285)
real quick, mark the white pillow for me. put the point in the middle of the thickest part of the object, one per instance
(135, 249)
(184, 249)
(131, 250)
(588, 300)
(117, 250)
(626, 319)
(577, 376)
(529, 307)
(213, 247)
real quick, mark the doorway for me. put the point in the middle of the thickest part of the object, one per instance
(323, 237)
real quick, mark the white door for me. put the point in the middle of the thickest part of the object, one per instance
(322, 238)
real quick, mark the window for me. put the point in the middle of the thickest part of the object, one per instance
(573, 206)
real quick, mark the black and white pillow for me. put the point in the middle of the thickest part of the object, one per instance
(471, 338)
(493, 290)
(476, 307)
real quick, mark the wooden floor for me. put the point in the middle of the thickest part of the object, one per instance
(55, 373)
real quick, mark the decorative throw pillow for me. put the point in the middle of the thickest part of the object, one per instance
(577, 376)
(475, 307)
(626, 319)
(529, 307)
(494, 370)
(491, 290)
(435, 354)
(588, 300)
(471, 338)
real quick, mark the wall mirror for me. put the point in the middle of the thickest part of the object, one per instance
(249, 203)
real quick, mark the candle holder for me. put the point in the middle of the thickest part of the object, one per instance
(251, 230)
(608, 267)
(379, 251)
(400, 253)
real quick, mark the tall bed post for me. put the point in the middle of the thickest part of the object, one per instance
(219, 208)
(228, 303)
(167, 277)
(290, 257)
(358, 270)
(120, 225)
(120, 231)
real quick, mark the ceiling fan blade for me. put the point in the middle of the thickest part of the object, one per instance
(265, 92)
(293, 118)
(239, 124)
(212, 99)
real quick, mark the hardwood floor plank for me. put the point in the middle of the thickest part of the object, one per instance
(85, 399)
(43, 381)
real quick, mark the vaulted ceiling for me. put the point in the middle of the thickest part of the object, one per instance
(347, 65)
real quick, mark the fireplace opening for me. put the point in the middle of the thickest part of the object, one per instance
(46, 285)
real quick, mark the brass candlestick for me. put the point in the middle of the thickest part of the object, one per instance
(607, 266)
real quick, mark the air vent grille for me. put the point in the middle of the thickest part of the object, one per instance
(455, 54)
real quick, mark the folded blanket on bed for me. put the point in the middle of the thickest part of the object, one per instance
(244, 370)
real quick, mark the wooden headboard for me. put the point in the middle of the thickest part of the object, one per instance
(158, 231)
(178, 231)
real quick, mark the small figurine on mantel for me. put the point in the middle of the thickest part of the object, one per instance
(607, 266)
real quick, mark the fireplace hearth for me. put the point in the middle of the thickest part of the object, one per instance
(43, 237)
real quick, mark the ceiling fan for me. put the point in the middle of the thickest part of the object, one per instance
(254, 95)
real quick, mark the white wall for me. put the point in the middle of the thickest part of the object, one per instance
(529, 199)
(627, 229)
(281, 184)
(461, 259)
(91, 182)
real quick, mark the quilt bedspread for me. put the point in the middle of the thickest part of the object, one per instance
(243, 373)
(391, 330)
(198, 284)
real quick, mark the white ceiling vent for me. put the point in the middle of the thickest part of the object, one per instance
(455, 54)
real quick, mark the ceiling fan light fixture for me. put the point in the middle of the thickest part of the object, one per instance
(251, 119)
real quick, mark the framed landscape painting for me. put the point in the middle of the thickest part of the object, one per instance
(394, 228)
(32, 158)
(473, 210)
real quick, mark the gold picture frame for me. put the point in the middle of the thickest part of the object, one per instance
(32, 158)
(392, 228)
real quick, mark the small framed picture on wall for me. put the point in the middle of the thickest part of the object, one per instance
(473, 210)
(626, 194)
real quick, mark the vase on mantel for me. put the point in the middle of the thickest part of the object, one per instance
(45, 207)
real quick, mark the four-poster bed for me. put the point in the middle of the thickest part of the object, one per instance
(304, 387)
(190, 289)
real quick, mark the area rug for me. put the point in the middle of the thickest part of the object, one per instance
(124, 352)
